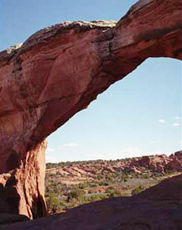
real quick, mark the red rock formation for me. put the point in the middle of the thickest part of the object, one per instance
(140, 165)
(22, 189)
(159, 163)
(175, 163)
(59, 70)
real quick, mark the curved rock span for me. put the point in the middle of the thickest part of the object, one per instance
(57, 72)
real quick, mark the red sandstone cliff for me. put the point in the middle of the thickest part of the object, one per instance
(58, 71)
(148, 165)
(22, 189)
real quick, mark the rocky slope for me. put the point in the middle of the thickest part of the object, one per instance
(157, 208)
(138, 165)
(58, 71)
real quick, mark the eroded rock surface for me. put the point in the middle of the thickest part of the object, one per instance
(22, 189)
(58, 71)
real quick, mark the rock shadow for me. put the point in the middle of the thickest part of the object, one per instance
(9, 197)
(39, 208)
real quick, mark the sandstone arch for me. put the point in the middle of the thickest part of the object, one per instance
(58, 71)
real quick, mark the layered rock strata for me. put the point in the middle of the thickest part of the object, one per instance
(146, 165)
(59, 70)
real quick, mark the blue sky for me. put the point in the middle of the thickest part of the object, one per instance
(140, 115)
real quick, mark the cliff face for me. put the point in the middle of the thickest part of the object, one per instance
(59, 70)
(22, 189)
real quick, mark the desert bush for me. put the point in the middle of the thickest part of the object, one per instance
(113, 192)
(137, 190)
(75, 194)
(104, 183)
(157, 174)
(53, 203)
(53, 188)
(82, 186)
(146, 176)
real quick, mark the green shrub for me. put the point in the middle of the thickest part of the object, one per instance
(103, 183)
(82, 186)
(113, 192)
(75, 194)
(53, 203)
(137, 190)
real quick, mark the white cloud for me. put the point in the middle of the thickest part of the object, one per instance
(176, 118)
(175, 124)
(50, 150)
(161, 121)
(71, 144)
(51, 159)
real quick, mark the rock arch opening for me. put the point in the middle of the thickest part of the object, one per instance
(138, 116)
(139, 113)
